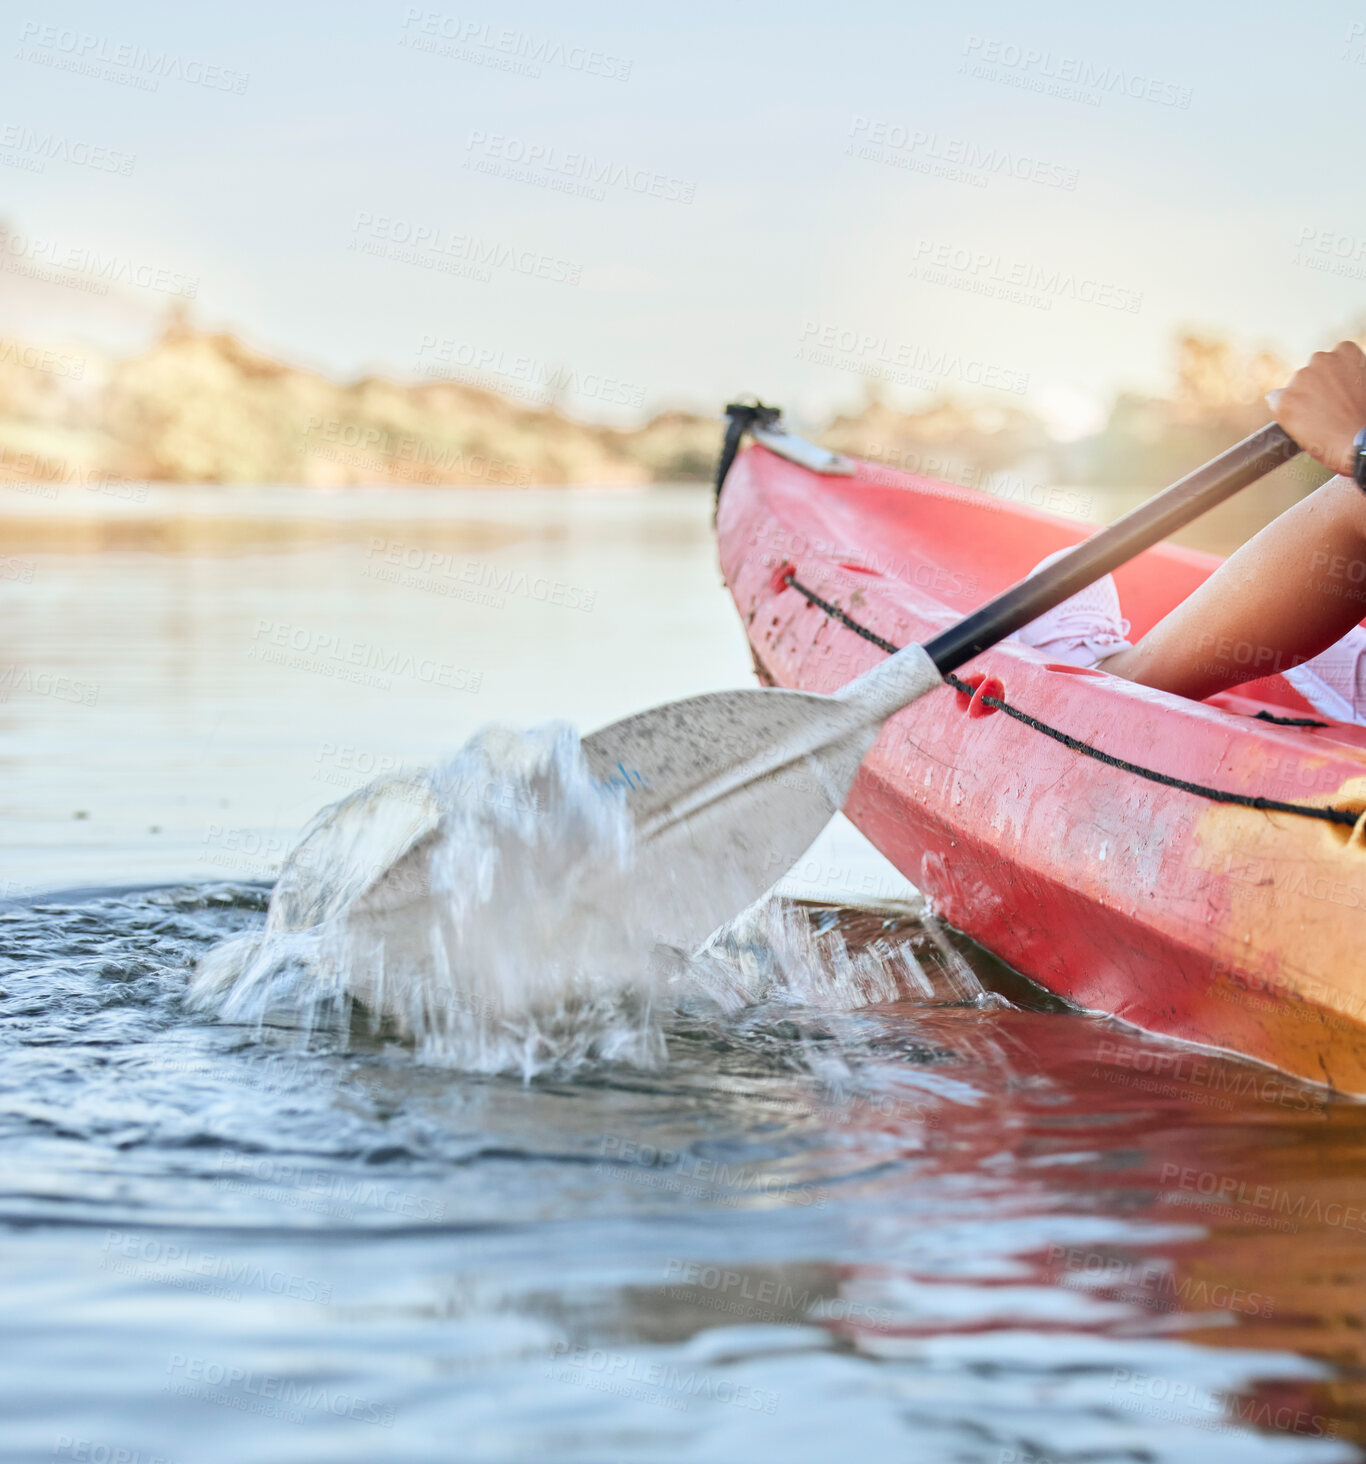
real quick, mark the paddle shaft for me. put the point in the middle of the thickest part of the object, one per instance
(1140, 529)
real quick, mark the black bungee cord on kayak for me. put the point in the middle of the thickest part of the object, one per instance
(1217, 795)
(1238, 466)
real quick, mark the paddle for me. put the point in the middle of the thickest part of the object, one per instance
(728, 790)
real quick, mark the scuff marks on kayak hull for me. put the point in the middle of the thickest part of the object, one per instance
(1220, 925)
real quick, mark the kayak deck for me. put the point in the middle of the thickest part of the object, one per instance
(1221, 925)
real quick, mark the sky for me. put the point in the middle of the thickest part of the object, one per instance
(651, 206)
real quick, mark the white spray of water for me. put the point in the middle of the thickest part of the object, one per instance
(485, 911)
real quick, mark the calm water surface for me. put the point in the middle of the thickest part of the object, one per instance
(917, 1230)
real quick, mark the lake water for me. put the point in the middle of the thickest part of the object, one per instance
(927, 1229)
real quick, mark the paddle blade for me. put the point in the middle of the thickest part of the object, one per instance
(727, 792)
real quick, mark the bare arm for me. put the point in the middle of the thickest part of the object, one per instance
(1295, 588)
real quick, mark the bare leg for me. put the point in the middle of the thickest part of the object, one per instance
(1289, 593)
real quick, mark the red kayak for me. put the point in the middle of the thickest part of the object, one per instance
(1227, 926)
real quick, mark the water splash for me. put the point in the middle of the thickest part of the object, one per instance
(485, 911)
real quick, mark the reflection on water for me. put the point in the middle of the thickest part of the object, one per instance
(950, 1232)
(853, 1217)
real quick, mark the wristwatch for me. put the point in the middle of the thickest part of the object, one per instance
(1359, 459)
